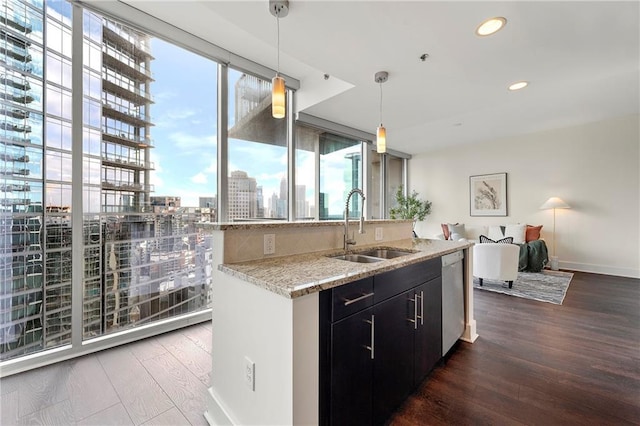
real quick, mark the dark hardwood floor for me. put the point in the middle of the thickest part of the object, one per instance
(541, 364)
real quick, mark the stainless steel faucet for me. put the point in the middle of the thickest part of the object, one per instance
(347, 240)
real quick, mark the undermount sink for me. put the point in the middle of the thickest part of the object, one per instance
(371, 256)
(359, 258)
(385, 253)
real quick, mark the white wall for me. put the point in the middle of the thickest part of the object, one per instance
(593, 167)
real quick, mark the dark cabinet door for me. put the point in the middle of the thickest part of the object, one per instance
(351, 370)
(428, 336)
(393, 363)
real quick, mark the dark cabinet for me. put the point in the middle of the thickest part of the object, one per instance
(346, 345)
(393, 357)
(374, 354)
(428, 337)
(351, 363)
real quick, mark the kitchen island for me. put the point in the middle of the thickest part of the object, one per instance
(266, 314)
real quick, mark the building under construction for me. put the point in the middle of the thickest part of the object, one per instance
(138, 266)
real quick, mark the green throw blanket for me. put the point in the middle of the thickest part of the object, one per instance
(533, 256)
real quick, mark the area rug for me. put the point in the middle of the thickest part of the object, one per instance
(545, 286)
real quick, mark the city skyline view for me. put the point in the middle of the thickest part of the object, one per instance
(185, 137)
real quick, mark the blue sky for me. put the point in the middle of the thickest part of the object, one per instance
(185, 114)
(185, 118)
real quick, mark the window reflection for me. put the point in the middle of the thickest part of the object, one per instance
(340, 172)
(306, 147)
(146, 247)
(257, 190)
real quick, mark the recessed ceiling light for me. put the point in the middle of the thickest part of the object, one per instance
(518, 85)
(491, 26)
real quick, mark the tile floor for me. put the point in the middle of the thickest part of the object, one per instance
(162, 380)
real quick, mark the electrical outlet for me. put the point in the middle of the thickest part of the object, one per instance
(249, 373)
(269, 243)
(379, 234)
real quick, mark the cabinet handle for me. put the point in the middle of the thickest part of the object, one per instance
(421, 307)
(415, 312)
(348, 302)
(373, 330)
(417, 317)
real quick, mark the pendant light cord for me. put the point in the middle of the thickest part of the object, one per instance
(381, 103)
(278, 25)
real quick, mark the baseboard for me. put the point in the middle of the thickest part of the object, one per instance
(216, 414)
(600, 269)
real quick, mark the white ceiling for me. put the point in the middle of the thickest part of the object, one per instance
(582, 60)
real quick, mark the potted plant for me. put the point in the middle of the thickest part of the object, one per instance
(410, 207)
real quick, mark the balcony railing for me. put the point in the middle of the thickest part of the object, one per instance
(21, 84)
(126, 186)
(114, 58)
(17, 139)
(132, 139)
(16, 127)
(16, 52)
(140, 41)
(13, 187)
(15, 95)
(123, 113)
(18, 158)
(19, 65)
(250, 93)
(15, 201)
(126, 161)
(14, 112)
(11, 171)
(119, 88)
(18, 22)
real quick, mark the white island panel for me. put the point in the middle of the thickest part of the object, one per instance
(280, 336)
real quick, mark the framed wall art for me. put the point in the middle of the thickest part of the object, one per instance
(488, 195)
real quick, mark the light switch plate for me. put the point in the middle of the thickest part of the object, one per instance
(379, 234)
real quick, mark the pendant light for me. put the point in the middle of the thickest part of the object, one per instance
(381, 132)
(279, 9)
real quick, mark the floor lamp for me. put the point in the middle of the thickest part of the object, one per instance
(554, 203)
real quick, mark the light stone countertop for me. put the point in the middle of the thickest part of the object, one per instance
(295, 276)
(276, 224)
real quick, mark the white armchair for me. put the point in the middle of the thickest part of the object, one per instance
(496, 261)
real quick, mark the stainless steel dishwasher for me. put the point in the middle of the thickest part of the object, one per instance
(452, 300)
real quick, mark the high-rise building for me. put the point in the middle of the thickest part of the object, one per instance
(260, 200)
(210, 202)
(242, 196)
(302, 206)
(126, 123)
(138, 266)
(27, 322)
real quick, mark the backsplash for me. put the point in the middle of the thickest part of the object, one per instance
(247, 243)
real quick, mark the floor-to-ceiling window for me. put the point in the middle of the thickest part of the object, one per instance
(257, 162)
(394, 179)
(386, 175)
(151, 108)
(307, 146)
(135, 117)
(148, 176)
(340, 172)
(335, 159)
(24, 323)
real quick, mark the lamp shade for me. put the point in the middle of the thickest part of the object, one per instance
(554, 203)
(381, 139)
(278, 97)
